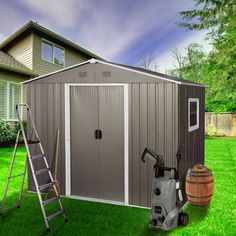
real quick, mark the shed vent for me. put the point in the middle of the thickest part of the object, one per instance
(82, 74)
(106, 74)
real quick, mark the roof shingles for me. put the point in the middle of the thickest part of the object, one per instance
(8, 62)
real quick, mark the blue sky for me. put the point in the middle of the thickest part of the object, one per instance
(121, 31)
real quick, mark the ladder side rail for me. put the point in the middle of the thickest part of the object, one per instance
(22, 183)
(10, 170)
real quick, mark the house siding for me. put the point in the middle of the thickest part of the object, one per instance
(42, 67)
(23, 51)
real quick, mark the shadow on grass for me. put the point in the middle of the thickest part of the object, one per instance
(148, 232)
(196, 213)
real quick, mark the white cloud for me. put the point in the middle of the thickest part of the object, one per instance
(105, 27)
(56, 12)
(165, 61)
(111, 29)
(2, 37)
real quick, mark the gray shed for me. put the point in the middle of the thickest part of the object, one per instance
(107, 114)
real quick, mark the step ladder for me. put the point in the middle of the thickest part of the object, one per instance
(33, 139)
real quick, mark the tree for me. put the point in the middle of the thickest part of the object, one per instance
(146, 61)
(219, 17)
(177, 56)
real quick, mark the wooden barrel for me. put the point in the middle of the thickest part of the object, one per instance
(199, 185)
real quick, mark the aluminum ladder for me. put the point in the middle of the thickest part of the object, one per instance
(35, 173)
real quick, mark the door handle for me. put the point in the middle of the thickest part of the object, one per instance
(97, 134)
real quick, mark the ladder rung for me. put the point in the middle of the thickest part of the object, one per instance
(58, 213)
(37, 157)
(46, 186)
(38, 172)
(33, 141)
(14, 176)
(50, 200)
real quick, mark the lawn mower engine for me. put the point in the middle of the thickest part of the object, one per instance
(166, 207)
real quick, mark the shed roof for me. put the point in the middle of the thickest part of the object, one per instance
(7, 62)
(157, 75)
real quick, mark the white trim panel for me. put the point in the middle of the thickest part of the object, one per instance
(194, 127)
(92, 61)
(67, 141)
(104, 201)
(54, 72)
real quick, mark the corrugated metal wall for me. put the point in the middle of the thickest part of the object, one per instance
(47, 106)
(153, 122)
(191, 143)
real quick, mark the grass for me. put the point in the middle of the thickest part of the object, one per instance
(87, 218)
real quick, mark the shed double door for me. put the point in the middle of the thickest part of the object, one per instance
(97, 142)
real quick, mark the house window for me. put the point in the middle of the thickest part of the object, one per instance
(59, 56)
(47, 51)
(193, 114)
(53, 53)
(10, 95)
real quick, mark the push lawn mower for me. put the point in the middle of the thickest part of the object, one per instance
(166, 207)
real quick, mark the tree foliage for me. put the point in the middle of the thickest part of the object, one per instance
(218, 68)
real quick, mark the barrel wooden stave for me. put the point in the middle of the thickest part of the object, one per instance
(199, 186)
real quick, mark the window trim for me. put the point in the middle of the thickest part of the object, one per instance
(53, 52)
(8, 92)
(194, 127)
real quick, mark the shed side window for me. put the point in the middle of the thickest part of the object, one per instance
(193, 114)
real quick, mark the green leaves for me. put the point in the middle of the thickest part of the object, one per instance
(7, 134)
(216, 69)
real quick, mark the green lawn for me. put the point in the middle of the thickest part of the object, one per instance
(87, 218)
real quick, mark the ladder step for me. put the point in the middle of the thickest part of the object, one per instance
(33, 141)
(14, 176)
(51, 200)
(46, 186)
(37, 157)
(38, 172)
(58, 213)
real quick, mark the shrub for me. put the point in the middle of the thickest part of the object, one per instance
(17, 127)
(211, 130)
(7, 133)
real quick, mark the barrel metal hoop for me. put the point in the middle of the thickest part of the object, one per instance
(201, 172)
(191, 182)
(193, 175)
(199, 203)
(199, 196)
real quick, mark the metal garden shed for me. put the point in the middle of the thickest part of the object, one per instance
(107, 114)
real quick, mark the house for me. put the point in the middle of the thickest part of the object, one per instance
(107, 114)
(32, 51)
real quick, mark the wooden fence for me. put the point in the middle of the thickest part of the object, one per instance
(220, 124)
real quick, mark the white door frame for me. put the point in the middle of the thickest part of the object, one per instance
(68, 137)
